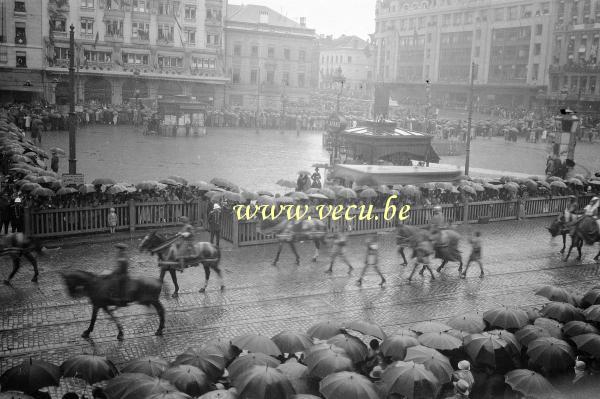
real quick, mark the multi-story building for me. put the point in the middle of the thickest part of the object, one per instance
(136, 48)
(269, 58)
(349, 56)
(21, 56)
(438, 40)
(575, 65)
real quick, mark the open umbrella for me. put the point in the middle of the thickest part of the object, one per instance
(368, 193)
(178, 179)
(529, 333)
(325, 329)
(468, 189)
(355, 349)
(588, 343)
(136, 386)
(297, 374)
(209, 360)
(16, 395)
(552, 326)
(591, 297)
(558, 184)
(147, 185)
(328, 192)
(233, 197)
(224, 183)
(284, 200)
(395, 346)
(151, 365)
(290, 342)
(265, 193)
(169, 182)
(43, 192)
(346, 193)
(265, 200)
(116, 189)
(242, 363)
(203, 186)
(318, 196)
(263, 382)
(592, 313)
(562, 312)
(170, 395)
(256, 343)
(430, 326)
(219, 394)
(87, 189)
(440, 341)
(30, 187)
(530, 384)
(557, 294)
(574, 181)
(487, 349)
(347, 385)
(222, 346)
(90, 368)
(470, 322)
(103, 181)
(57, 150)
(188, 379)
(324, 359)
(366, 328)
(30, 375)
(249, 196)
(551, 353)
(406, 378)
(298, 195)
(506, 318)
(66, 191)
(575, 328)
(433, 361)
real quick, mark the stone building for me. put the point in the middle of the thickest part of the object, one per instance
(349, 55)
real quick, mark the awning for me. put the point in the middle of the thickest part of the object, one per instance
(390, 175)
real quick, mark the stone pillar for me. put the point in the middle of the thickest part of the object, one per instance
(152, 88)
(117, 91)
(219, 96)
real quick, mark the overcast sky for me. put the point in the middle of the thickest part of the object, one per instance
(328, 17)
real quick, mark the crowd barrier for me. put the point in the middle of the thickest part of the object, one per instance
(56, 223)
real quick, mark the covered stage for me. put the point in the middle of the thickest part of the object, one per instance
(391, 175)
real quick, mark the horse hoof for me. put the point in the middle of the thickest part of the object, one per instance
(404, 264)
(202, 290)
(159, 332)
(34, 279)
(175, 295)
(86, 334)
(120, 337)
(274, 264)
(6, 282)
(439, 269)
(562, 251)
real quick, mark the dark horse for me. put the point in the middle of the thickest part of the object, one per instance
(290, 232)
(411, 236)
(165, 249)
(17, 245)
(584, 231)
(560, 227)
(100, 290)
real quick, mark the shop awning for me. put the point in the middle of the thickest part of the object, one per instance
(390, 175)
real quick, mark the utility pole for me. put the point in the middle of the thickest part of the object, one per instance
(428, 92)
(72, 116)
(468, 152)
(257, 101)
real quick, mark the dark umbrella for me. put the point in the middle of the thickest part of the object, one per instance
(188, 379)
(90, 368)
(592, 313)
(575, 328)
(151, 365)
(592, 297)
(395, 346)
(263, 382)
(87, 189)
(178, 179)
(66, 191)
(433, 361)
(136, 386)
(355, 349)
(588, 343)
(562, 312)
(223, 347)
(289, 342)
(347, 385)
(404, 378)
(430, 326)
(556, 294)
(209, 360)
(169, 182)
(530, 384)
(550, 353)
(30, 375)
(30, 187)
(256, 343)
(552, 326)
(470, 322)
(506, 318)
(487, 349)
(323, 360)
(366, 328)
(297, 374)
(219, 394)
(43, 192)
(440, 341)
(529, 333)
(103, 181)
(170, 395)
(242, 363)
(325, 329)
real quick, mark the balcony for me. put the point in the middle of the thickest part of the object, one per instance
(213, 21)
(114, 13)
(113, 37)
(86, 36)
(575, 68)
(165, 40)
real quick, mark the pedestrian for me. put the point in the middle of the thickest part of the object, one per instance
(115, 117)
(423, 254)
(464, 373)
(461, 390)
(121, 273)
(371, 260)
(339, 245)
(54, 162)
(4, 212)
(112, 220)
(16, 214)
(214, 224)
(475, 254)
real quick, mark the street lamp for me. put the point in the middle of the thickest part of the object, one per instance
(340, 79)
(428, 106)
(72, 115)
(568, 123)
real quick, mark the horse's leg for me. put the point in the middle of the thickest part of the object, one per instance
(295, 253)
(413, 271)
(173, 274)
(16, 267)
(33, 262)
(597, 257)
(439, 269)
(573, 244)
(579, 249)
(217, 270)
(460, 266)
(86, 333)
(279, 248)
(317, 247)
(116, 321)
(161, 316)
(163, 271)
(404, 262)
(564, 237)
(206, 277)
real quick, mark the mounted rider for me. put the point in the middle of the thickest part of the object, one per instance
(121, 272)
(185, 248)
(592, 210)
(570, 212)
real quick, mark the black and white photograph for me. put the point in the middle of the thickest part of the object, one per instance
(285, 199)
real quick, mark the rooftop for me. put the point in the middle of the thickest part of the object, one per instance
(251, 14)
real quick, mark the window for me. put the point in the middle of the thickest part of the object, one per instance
(535, 72)
(254, 51)
(253, 76)
(204, 63)
(140, 30)
(190, 13)
(446, 18)
(97, 56)
(301, 79)
(170, 62)
(271, 52)
(468, 17)
(235, 77)
(87, 3)
(61, 53)
(302, 56)
(165, 32)
(114, 28)
(164, 8)
(237, 50)
(212, 39)
(87, 27)
(499, 14)
(477, 50)
(512, 13)
(537, 49)
(457, 19)
(20, 33)
(349, 59)
(214, 14)
(3, 54)
(21, 59)
(139, 5)
(19, 6)
(539, 29)
(190, 36)
(58, 25)
(271, 77)
(286, 54)
(136, 59)
(285, 78)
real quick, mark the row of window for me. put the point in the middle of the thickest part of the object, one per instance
(338, 59)
(236, 77)
(254, 50)
(578, 84)
(20, 57)
(579, 12)
(144, 6)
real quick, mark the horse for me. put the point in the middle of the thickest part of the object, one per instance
(411, 236)
(585, 231)
(560, 226)
(165, 249)
(289, 232)
(17, 245)
(101, 292)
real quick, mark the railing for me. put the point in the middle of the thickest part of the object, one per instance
(143, 215)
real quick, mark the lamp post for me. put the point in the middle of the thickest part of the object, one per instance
(428, 92)
(72, 116)
(468, 150)
(339, 78)
(568, 123)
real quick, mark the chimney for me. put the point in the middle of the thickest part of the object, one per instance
(303, 22)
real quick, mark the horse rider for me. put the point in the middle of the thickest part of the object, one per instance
(570, 210)
(186, 249)
(121, 273)
(592, 209)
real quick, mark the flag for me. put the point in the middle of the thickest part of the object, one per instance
(97, 38)
(180, 29)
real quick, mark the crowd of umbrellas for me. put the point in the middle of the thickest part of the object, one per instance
(331, 360)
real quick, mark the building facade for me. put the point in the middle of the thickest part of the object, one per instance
(438, 40)
(350, 56)
(575, 65)
(269, 58)
(135, 49)
(21, 55)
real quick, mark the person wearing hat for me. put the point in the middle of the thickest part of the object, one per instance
(214, 224)
(461, 390)
(121, 273)
(464, 373)
(570, 210)
(54, 162)
(186, 248)
(112, 220)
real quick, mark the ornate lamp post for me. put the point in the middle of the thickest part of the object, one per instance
(568, 123)
(72, 115)
(428, 106)
(340, 80)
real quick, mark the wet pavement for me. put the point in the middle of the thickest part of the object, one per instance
(41, 321)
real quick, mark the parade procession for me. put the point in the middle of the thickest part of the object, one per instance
(374, 199)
